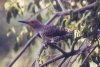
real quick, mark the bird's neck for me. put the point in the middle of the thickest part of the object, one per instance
(38, 28)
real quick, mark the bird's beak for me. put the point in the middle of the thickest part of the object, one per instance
(26, 22)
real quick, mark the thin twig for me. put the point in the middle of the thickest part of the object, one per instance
(61, 5)
(75, 41)
(69, 61)
(52, 60)
(88, 55)
(39, 53)
(81, 50)
(52, 5)
(51, 19)
(62, 62)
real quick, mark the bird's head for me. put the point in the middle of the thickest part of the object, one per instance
(35, 24)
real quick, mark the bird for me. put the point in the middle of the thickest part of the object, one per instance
(46, 31)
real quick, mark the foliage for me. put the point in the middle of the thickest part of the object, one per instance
(80, 16)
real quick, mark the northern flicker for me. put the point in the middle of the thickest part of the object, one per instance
(47, 31)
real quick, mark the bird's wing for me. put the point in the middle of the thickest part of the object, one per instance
(53, 31)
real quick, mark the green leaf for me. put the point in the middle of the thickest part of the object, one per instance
(8, 16)
(29, 6)
(33, 10)
(14, 11)
(18, 5)
(39, 17)
(16, 47)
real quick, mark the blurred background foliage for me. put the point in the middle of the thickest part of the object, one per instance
(14, 35)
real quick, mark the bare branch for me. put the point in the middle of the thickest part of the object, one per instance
(67, 55)
(69, 61)
(88, 55)
(74, 43)
(52, 60)
(67, 12)
(62, 7)
(82, 48)
(62, 62)
(56, 47)
(39, 53)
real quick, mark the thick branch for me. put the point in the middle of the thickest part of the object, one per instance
(56, 47)
(88, 7)
(67, 55)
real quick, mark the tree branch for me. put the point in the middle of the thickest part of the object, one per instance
(67, 55)
(62, 62)
(88, 55)
(56, 47)
(81, 49)
(39, 53)
(67, 12)
(62, 7)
